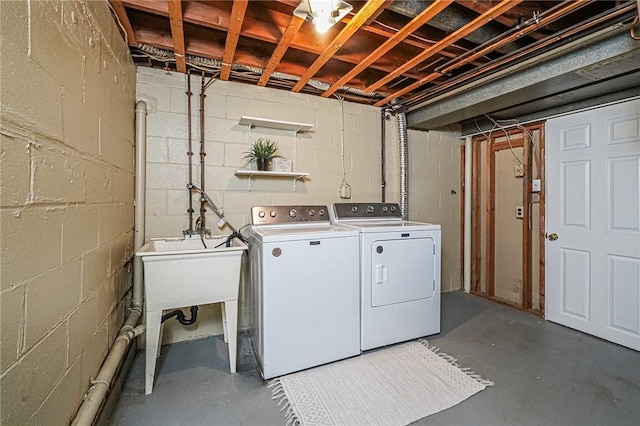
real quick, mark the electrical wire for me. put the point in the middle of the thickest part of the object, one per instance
(124, 32)
(344, 191)
(504, 129)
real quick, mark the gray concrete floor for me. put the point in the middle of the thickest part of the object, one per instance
(544, 374)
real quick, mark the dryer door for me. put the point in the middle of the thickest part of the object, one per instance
(402, 270)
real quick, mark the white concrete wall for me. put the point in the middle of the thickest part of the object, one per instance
(435, 194)
(318, 153)
(67, 99)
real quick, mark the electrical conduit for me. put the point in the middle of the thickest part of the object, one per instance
(100, 385)
(404, 164)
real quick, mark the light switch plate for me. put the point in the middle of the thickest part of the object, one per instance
(536, 185)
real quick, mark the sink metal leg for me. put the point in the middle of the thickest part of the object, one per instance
(231, 314)
(154, 321)
(225, 330)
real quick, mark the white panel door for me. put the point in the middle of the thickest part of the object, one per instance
(593, 206)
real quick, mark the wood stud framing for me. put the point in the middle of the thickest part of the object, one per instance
(518, 139)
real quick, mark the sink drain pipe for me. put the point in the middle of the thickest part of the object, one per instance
(100, 385)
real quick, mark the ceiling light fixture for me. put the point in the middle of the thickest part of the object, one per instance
(322, 13)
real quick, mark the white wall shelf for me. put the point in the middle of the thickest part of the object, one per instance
(296, 175)
(275, 124)
(268, 123)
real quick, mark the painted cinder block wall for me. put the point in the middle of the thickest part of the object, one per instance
(434, 170)
(67, 134)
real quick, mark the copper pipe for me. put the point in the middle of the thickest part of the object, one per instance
(203, 204)
(189, 154)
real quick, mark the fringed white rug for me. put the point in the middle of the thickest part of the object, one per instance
(394, 386)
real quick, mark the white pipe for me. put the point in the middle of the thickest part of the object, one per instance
(467, 214)
(140, 195)
(100, 385)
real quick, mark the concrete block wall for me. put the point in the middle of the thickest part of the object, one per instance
(318, 153)
(435, 194)
(66, 202)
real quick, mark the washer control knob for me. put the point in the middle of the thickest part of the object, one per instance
(369, 209)
(261, 213)
(354, 209)
(293, 213)
(273, 213)
(385, 209)
(321, 212)
(312, 212)
(393, 208)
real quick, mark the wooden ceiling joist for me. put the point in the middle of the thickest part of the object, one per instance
(403, 33)
(121, 14)
(349, 30)
(566, 8)
(177, 33)
(285, 41)
(215, 16)
(235, 26)
(497, 10)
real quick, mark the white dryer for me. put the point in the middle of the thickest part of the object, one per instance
(399, 273)
(304, 296)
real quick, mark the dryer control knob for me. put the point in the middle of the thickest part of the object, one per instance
(312, 212)
(261, 214)
(393, 208)
(321, 212)
(354, 209)
(293, 213)
(273, 213)
(385, 209)
(369, 209)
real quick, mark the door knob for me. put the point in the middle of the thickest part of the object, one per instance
(553, 237)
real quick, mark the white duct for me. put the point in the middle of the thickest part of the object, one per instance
(100, 385)
(404, 164)
(467, 214)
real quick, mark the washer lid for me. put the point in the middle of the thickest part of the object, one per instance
(370, 226)
(271, 233)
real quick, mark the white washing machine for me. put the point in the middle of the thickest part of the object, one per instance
(399, 273)
(304, 296)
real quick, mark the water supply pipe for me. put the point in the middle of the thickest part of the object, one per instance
(467, 214)
(95, 396)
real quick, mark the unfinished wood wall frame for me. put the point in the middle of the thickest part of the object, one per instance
(483, 239)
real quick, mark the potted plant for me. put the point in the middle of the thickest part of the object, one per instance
(262, 152)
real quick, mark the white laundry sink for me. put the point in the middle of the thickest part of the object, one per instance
(183, 272)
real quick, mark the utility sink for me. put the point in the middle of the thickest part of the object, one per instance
(188, 271)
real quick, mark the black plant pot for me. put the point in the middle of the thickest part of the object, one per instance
(262, 164)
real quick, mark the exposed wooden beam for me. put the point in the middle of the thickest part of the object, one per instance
(285, 41)
(403, 33)
(358, 20)
(267, 28)
(497, 10)
(569, 6)
(177, 33)
(235, 26)
(121, 14)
